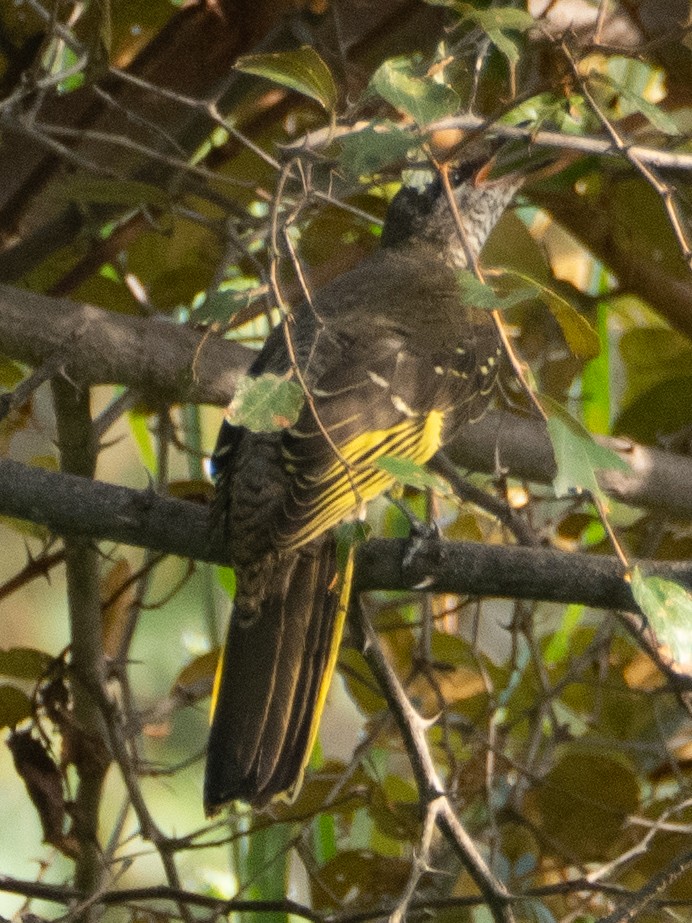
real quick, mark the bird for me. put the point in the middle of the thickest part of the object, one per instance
(393, 362)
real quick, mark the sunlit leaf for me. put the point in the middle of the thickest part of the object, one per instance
(559, 647)
(302, 70)
(400, 83)
(196, 678)
(657, 116)
(577, 454)
(139, 427)
(266, 404)
(668, 608)
(226, 579)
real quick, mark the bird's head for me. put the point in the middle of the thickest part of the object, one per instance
(426, 215)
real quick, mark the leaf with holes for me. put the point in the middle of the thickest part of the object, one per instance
(302, 70)
(635, 102)
(265, 404)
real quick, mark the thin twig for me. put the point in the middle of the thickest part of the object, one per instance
(430, 787)
(630, 152)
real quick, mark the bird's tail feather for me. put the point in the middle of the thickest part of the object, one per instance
(273, 678)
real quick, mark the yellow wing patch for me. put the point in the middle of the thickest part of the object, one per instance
(321, 501)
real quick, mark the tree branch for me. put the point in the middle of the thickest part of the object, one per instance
(165, 362)
(657, 479)
(69, 504)
(170, 363)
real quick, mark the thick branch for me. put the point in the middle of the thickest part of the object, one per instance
(658, 480)
(164, 361)
(69, 504)
(168, 362)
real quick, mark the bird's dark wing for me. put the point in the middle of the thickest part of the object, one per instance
(379, 396)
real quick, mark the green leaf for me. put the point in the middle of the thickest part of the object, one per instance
(504, 44)
(480, 295)
(15, 706)
(139, 428)
(421, 97)
(10, 373)
(225, 577)
(501, 17)
(577, 455)
(302, 70)
(579, 335)
(668, 608)
(368, 151)
(658, 118)
(266, 404)
(495, 22)
(128, 192)
(220, 306)
(24, 663)
(410, 473)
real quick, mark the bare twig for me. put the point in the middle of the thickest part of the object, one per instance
(634, 157)
(635, 906)
(433, 798)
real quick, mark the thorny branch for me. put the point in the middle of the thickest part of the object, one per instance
(432, 796)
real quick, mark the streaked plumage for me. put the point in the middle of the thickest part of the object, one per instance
(394, 363)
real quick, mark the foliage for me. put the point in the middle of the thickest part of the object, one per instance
(162, 164)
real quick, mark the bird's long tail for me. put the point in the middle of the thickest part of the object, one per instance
(273, 679)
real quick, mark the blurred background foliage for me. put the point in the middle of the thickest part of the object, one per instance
(145, 175)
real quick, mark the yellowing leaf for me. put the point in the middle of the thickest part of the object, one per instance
(118, 593)
(195, 680)
(579, 335)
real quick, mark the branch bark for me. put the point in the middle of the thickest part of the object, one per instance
(166, 362)
(68, 504)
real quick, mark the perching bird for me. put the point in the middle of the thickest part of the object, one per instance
(394, 363)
